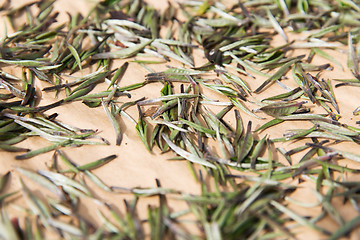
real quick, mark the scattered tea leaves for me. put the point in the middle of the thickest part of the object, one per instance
(232, 42)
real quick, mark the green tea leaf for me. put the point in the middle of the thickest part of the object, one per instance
(191, 157)
(281, 109)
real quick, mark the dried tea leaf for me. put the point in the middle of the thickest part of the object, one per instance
(245, 144)
(41, 180)
(191, 157)
(269, 124)
(281, 109)
(239, 105)
(276, 25)
(278, 74)
(123, 53)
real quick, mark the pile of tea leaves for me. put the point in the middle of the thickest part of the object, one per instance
(232, 76)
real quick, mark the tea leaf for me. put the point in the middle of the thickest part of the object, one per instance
(36, 152)
(114, 123)
(63, 181)
(123, 53)
(198, 127)
(185, 154)
(256, 152)
(346, 228)
(246, 143)
(269, 124)
(69, 228)
(298, 218)
(141, 129)
(276, 25)
(281, 109)
(96, 164)
(76, 55)
(118, 75)
(278, 74)
(41, 181)
(25, 63)
(239, 105)
(97, 181)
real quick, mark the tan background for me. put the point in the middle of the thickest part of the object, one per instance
(135, 167)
